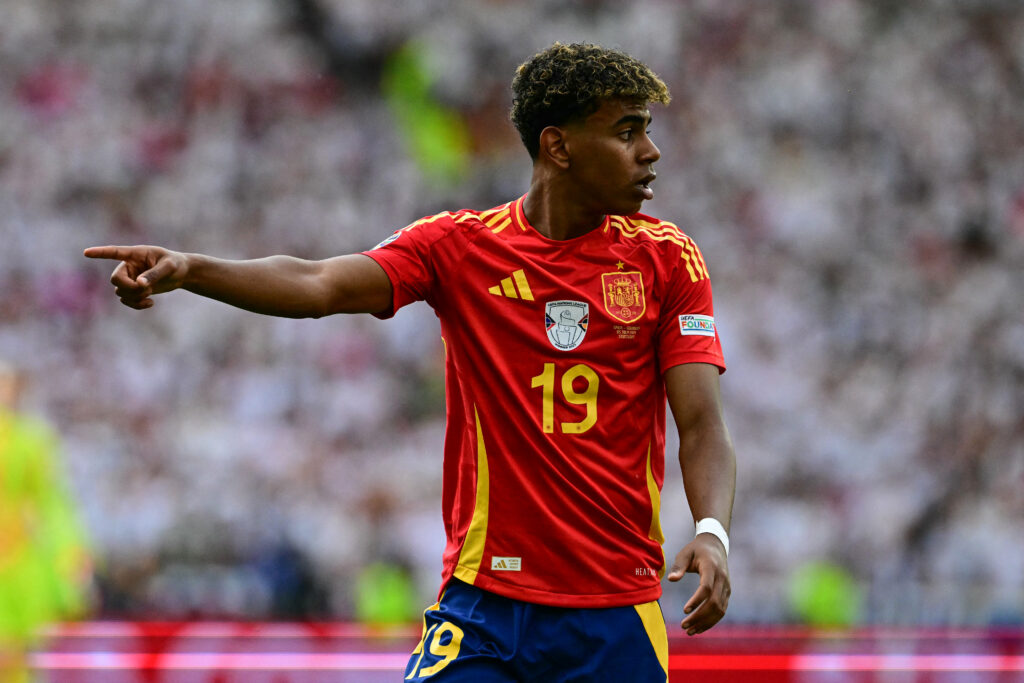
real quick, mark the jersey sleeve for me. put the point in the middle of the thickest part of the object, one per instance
(687, 332)
(407, 258)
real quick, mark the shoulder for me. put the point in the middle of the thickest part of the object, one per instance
(664, 239)
(643, 228)
(465, 222)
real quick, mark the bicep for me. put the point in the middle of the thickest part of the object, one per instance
(355, 283)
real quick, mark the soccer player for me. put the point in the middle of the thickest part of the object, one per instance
(568, 319)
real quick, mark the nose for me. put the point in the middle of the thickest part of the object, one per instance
(649, 152)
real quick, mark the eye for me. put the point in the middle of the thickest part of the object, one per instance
(628, 134)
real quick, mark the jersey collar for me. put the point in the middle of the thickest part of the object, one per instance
(520, 222)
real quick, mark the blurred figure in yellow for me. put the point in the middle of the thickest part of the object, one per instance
(385, 590)
(825, 595)
(435, 134)
(44, 565)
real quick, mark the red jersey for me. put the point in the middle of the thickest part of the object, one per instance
(555, 350)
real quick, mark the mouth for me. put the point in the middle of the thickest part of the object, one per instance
(645, 185)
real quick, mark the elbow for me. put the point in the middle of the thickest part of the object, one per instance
(321, 308)
(323, 296)
(704, 437)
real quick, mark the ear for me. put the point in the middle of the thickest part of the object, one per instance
(554, 146)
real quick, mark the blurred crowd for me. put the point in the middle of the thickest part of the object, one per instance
(852, 170)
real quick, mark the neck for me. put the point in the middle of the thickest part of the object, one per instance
(553, 211)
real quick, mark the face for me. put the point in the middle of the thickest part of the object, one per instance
(611, 157)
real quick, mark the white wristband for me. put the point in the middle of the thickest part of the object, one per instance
(710, 525)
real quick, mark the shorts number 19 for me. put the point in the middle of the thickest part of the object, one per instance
(446, 651)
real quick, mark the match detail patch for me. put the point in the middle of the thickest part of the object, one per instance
(698, 325)
(506, 564)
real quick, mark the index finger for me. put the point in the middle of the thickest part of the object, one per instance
(710, 610)
(111, 252)
(699, 596)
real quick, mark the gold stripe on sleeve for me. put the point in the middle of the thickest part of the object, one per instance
(498, 217)
(695, 250)
(502, 225)
(689, 266)
(664, 227)
(667, 232)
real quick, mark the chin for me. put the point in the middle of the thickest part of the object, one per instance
(628, 209)
(622, 207)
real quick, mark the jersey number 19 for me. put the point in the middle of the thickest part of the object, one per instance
(588, 397)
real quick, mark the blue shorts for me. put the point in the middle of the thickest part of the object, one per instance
(473, 635)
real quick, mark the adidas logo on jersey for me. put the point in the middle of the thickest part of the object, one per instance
(514, 287)
(506, 564)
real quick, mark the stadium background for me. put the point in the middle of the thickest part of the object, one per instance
(852, 170)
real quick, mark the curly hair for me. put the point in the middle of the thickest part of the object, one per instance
(567, 83)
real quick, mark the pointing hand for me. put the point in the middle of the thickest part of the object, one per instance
(143, 272)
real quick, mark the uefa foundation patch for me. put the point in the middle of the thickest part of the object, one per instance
(699, 325)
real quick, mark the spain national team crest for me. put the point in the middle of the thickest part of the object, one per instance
(624, 295)
(566, 323)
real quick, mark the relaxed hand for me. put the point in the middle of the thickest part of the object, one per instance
(704, 555)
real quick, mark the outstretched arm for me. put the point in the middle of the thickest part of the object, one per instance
(276, 285)
(709, 476)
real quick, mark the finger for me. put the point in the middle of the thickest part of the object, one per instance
(138, 304)
(162, 269)
(701, 620)
(711, 611)
(680, 565)
(700, 595)
(129, 296)
(111, 252)
(132, 294)
(709, 614)
(122, 278)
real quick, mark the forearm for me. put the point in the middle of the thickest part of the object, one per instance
(277, 285)
(708, 463)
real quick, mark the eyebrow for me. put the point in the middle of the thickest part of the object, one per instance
(634, 118)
